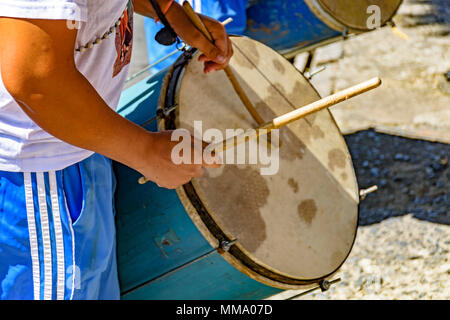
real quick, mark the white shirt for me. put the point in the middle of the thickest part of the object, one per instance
(24, 146)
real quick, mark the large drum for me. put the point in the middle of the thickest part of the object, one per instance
(292, 25)
(234, 233)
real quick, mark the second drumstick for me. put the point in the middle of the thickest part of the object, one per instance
(234, 82)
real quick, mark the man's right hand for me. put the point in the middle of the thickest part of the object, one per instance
(161, 169)
(215, 56)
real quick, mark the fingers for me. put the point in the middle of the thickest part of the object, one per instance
(210, 66)
(184, 176)
(211, 51)
(218, 63)
(216, 58)
(197, 172)
(172, 175)
(213, 65)
(212, 160)
(220, 37)
(227, 48)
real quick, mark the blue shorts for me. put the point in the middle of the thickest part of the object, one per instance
(57, 233)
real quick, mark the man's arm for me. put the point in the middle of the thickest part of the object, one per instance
(38, 70)
(215, 56)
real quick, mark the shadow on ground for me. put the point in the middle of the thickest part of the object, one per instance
(438, 14)
(413, 176)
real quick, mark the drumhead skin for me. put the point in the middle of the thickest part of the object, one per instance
(352, 13)
(293, 227)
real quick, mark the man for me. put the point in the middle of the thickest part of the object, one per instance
(217, 9)
(63, 64)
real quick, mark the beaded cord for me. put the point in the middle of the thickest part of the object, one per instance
(99, 40)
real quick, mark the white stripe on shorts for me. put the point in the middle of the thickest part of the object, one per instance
(60, 282)
(33, 235)
(45, 227)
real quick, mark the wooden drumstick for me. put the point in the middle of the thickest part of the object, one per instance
(296, 115)
(143, 180)
(292, 116)
(198, 23)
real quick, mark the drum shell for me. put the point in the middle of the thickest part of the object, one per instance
(286, 25)
(161, 254)
(291, 27)
(160, 247)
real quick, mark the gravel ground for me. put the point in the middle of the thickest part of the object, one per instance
(400, 258)
(414, 98)
(413, 176)
(403, 241)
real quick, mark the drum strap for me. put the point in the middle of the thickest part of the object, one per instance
(166, 36)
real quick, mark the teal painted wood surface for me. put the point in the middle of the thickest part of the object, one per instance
(211, 278)
(154, 233)
(138, 103)
(156, 237)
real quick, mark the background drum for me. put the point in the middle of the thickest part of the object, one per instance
(289, 26)
(292, 25)
(234, 234)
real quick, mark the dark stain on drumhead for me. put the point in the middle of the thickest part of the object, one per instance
(311, 132)
(237, 196)
(307, 210)
(297, 92)
(336, 159)
(299, 88)
(278, 66)
(293, 184)
(292, 147)
(251, 51)
(344, 176)
(246, 55)
(276, 89)
(241, 61)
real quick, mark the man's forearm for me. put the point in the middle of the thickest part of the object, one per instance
(68, 107)
(145, 8)
(176, 16)
(220, 51)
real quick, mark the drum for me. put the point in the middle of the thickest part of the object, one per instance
(289, 26)
(234, 233)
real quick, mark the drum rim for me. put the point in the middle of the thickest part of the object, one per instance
(198, 211)
(324, 16)
(335, 22)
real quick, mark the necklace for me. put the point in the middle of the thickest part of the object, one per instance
(99, 40)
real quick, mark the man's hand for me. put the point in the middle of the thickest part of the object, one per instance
(215, 56)
(161, 168)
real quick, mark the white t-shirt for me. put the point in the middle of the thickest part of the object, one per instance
(24, 146)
